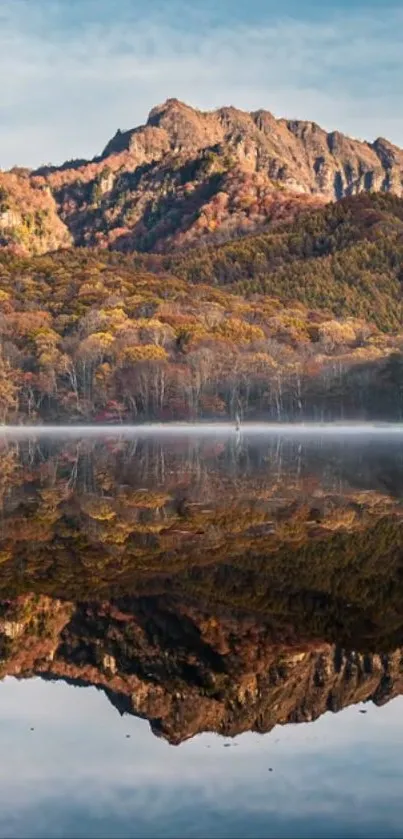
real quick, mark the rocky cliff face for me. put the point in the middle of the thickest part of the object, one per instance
(29, 220)
(188, 176)
(187, 671)
(298, 155)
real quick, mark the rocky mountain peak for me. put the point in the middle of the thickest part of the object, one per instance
(188, 175)
(168, 108)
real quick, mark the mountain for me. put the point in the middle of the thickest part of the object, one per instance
(245, 287)
(188, 176)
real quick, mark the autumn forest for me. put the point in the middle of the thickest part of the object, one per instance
(303, 322)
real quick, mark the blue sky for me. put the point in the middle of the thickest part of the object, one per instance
(73, 71)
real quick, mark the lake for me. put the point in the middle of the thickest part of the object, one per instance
(201, 632)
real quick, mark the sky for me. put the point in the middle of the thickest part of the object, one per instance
(73, 71)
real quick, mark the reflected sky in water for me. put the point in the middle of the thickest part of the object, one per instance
(78, 774)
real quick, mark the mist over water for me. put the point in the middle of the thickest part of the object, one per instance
(204, 429)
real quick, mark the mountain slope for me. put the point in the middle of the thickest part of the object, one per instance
(29, 219)
(346, 257)
(188, 176)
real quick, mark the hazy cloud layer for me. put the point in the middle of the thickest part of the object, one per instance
(73, 76)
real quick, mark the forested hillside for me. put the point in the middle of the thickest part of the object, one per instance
(92, 336)
(346, 257)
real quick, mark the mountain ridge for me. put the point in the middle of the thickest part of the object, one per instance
(188, 176)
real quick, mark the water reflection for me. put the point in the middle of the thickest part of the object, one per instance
(86, 771)
(205, 584)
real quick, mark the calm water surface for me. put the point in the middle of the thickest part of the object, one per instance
(201, 634)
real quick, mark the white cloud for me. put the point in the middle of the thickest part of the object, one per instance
(66, 89)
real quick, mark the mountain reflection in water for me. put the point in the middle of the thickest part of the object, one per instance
(205, 584)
